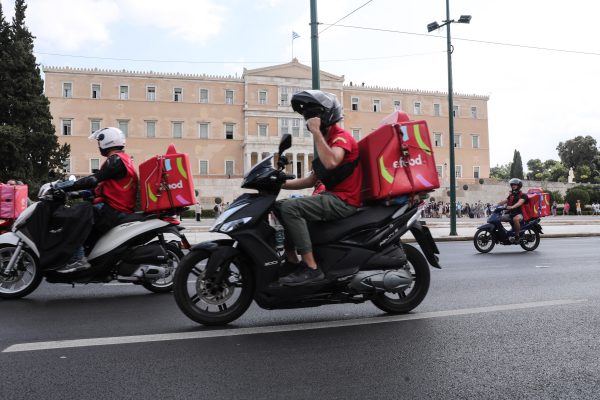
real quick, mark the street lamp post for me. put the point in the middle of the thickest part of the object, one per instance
(464, 19)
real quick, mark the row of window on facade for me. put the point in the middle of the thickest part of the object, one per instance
(417, 107)
(285, 96)
(294, 126)
(151, 90)
(203, 167)
(229, 168)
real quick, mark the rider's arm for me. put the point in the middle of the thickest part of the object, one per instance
(517, 204)
(301, 183)
(113, 168)
(330, 157)
(503, 202)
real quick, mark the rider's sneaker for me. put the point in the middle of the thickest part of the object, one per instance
(78, 265)
(302, 276)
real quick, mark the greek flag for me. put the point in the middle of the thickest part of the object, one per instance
(295, 35)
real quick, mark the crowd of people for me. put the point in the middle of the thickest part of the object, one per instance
(440, 209)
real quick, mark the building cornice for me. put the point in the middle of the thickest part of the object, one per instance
(386, 89)
(144, 74)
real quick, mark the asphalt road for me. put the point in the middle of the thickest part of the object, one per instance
(504, 325)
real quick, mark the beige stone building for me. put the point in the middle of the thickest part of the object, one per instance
(226, 123)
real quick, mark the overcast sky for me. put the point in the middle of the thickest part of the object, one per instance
(537, 97)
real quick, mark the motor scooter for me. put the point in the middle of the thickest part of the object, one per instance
(494, 232)
(44, 237)
(362, 256)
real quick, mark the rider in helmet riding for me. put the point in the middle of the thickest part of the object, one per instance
(514, 201)
(115, 189)
(335, 166)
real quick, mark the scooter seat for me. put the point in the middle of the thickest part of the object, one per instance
(136, 216)
(323, 232)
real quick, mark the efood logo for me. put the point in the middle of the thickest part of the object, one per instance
(178, 185)
(412, 162)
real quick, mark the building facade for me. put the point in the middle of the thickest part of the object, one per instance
(226, 123)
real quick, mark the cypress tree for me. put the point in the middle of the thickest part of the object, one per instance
(516, 169)
(25, 108)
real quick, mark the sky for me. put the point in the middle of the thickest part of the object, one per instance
(536, 59)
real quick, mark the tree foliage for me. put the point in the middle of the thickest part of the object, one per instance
(501, 171)
(516, 170)
(24, 109)
(581, 150)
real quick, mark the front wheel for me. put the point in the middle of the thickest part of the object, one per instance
(406, 300)
(208, 303)
(483, 241)
(24, 279)
(165, 285)
(530, 240)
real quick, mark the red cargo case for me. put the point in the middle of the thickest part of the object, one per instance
(166, 182)
(13, 200)
(538, 204)
(397, 159)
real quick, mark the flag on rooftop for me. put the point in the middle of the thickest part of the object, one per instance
(295, 35)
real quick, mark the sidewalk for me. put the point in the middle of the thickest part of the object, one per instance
(559, 226)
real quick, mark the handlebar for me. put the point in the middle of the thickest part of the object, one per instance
(288, 177)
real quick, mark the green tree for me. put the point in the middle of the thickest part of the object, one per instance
(578, 151)
(501, 171)
(557, 196)
(516, 170)
(537, 170)
(583, 173)
(24, 106)
(558, 172)
(575, 194)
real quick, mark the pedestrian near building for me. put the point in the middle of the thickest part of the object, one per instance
(198, 209)
(566, 208)
(578, 207)
(554, 207)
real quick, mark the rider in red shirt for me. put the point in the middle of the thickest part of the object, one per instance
(335, 165)
(115, 189)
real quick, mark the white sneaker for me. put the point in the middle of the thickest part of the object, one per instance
(78, 265)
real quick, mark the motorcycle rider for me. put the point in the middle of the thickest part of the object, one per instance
(115, 189)
(335, 165)
(514, 201)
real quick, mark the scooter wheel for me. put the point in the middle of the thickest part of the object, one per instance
(483, 241)
(403, 302)
(25, 279)
(531, 240)
(207, 303)
(165, 285)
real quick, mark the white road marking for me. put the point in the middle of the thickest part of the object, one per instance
(542, 266)
(205, 334)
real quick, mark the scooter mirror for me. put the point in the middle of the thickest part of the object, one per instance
(72, 178)
(286, 143)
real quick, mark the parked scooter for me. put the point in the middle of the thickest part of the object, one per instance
(42, 241)
(493, 232)
(362, 256)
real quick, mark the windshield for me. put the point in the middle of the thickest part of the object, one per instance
(260, 165)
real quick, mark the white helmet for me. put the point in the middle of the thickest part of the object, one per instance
(108, 138)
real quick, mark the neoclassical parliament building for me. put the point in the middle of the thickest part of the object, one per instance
(226, 123)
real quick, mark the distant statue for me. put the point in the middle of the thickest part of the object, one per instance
(571, 177)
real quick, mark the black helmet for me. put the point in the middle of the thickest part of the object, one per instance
(315, 103)
(516, 181)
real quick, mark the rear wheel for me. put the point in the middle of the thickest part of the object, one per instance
(530, 240)
(409, 298)
(483, 241)
(208, 303)
(24, 279)
(165, 285)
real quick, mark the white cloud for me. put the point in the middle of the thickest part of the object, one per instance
(71, 24)
(190, 20)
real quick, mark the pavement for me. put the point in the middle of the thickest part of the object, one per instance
(559, 226)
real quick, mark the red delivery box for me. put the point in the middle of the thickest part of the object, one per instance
(538, 204)
(13, 200)
(397, 159)
(166, 182)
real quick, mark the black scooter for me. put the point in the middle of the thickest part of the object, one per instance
(493, 232)
(362, 256)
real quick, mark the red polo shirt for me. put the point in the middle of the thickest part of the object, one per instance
(349, 189)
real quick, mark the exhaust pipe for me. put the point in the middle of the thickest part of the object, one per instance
(144, 272)
(381, 281)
